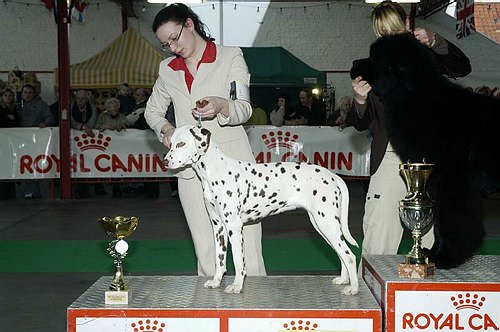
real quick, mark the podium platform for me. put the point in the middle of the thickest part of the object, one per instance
(266, 304)
(462, 299)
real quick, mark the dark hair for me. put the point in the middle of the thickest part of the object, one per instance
(179, 13)
(285, 96)
(29, 86)
(308, 92)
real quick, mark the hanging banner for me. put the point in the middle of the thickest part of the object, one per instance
(345, 152)
(33, 153)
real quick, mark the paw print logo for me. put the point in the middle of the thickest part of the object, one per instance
(300, 325)
(280, 138)
(148, 325)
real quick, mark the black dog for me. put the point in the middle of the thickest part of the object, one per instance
(427, 116)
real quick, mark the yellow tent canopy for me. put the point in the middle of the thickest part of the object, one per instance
(128, 59)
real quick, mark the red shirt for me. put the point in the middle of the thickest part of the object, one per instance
(179, 63)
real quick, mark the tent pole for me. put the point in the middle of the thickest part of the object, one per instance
(124, 19)
(64, 98)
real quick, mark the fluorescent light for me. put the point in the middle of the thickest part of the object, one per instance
(400, 1)
(174, 1)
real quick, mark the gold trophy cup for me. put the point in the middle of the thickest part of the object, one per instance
(416, 211)
(118, 228)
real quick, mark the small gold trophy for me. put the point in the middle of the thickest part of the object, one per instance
(118, 228)
(416, 211)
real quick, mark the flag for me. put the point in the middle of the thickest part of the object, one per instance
(464, 12)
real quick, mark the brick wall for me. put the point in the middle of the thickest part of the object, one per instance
(326, 38)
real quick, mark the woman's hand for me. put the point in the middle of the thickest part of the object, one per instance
(167, 135)
(361, 89)
(209, 107)
(426, 37)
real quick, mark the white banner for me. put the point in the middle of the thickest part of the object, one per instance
(33, 153)
(311, 324)
(434, 311)
(344, 152)
(146, 324)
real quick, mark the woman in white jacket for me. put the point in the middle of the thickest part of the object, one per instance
(201, 70)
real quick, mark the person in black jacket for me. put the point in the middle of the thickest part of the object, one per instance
(311, 109)
(382, 227)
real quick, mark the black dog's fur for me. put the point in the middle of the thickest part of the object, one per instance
(427, 116)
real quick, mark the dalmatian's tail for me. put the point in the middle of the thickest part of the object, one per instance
(344, 212)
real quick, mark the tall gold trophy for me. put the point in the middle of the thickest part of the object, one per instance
(416, 211)
(118, 228)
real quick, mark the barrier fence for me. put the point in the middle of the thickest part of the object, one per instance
(33, 153)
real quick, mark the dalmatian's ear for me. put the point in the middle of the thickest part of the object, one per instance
(202, 139)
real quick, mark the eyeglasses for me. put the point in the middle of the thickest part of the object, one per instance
(166, 46)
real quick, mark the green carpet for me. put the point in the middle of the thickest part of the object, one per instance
(169, 256)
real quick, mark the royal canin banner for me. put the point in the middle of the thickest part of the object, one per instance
(345, 152)
(433, 311)
(33, 153)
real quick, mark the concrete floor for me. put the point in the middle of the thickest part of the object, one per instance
(33, 302)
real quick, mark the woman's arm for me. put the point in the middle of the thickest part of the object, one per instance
(277, 117)
(156, 108)
(239, 110)
(453, 62)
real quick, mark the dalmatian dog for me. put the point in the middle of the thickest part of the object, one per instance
(237, 192)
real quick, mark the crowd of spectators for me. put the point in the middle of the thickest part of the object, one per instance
(91, 112)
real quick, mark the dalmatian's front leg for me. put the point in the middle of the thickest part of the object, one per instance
(221, 244)
(235, 227)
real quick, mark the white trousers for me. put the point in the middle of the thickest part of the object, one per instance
(382, 227)
(191, 196)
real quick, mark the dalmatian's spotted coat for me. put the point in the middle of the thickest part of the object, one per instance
(238, 192)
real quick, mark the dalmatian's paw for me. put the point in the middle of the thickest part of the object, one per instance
(340, 281)
(234, 288)
(350, 290)
(212, 284)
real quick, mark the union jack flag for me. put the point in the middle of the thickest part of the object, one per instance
(464, 11)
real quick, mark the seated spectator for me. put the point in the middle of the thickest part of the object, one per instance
(311, 109)
(34, 112)
(259, 116)
(99, 104)
(83, 113)
(283, 110)
(8, 109)
(126, 99)
(339, 116)
(112, 119)
(141, 98)
(83, 118)
(8, 118)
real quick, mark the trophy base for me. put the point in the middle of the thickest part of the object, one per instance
(117, 297)
(417, 271)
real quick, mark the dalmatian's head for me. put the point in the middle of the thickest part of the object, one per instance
(188, 145)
